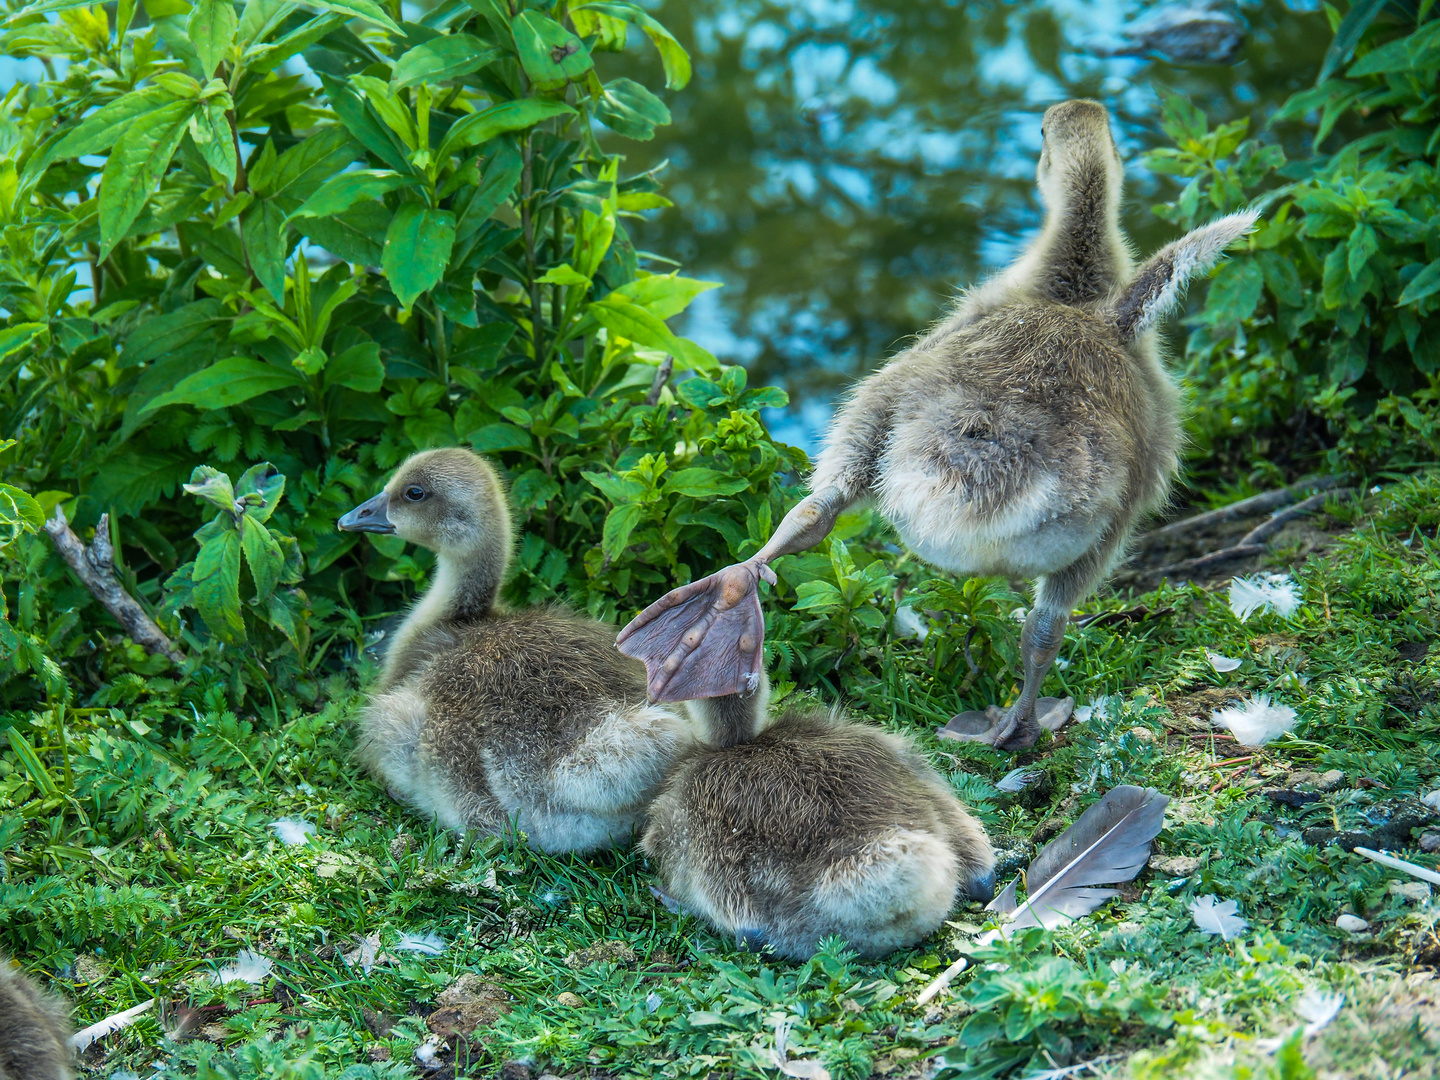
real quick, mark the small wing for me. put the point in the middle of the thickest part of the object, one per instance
(701, 640)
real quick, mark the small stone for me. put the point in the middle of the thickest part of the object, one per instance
(1144, 734)
(377, 1052)
(401, 845)
(1430, 842)
(1174, 865)
(1352, 924)
(1330, 781)
(1432, 800)
(1416, 891)
(570, 1001)
(515, 1070)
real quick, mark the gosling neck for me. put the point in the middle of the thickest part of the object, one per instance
(464, 588)
(735, 718)
(1082, 255)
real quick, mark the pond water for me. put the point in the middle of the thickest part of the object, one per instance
(843, 166)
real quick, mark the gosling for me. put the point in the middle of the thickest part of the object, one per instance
(498, 720)
(1023, 436)
(817, 827)
(34, 1030)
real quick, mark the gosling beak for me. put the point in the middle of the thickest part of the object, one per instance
(980, 888)
(369, 516)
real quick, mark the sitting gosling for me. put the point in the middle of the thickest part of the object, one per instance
(491, 719)
(817, 826)
(34, 1030)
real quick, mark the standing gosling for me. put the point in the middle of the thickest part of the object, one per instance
(1023, 436)
(491, 719)
(815, 827)
(34, 1030)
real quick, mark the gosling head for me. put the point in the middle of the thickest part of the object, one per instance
(1076, 151)
(450, 501)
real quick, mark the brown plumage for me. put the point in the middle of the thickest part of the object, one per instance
(34, 1030)
(817, 827)
(491, 719)
(1022, 436)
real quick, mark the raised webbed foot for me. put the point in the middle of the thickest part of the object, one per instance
(702, 640)
(1009, 729)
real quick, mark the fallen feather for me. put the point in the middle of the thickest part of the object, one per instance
(809, 1070)
(1255, 722)
(1399, 864)
(1108, 844)
(1213, 917)
(1017, 780)
(1318, 1010)
(366, 953)
(428, 1052)
(944, 979)
(910, 623)
(1264, 592)
(1221, 663)
(429, 944)
(82, 1039)
(292, 830)
(248, 967)
(1099, 709)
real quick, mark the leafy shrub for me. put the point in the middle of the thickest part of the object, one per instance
(321, 238)
(1334, 311)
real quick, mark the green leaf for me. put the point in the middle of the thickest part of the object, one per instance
(19, 512)
(341, 192)
(358, 368)
(550, 54)
(165, 335)
(619, 524)
(230, 382)
(620, 315)
(493, 438)
(357, 235)
(673, 56)
(217, 586)
(442, 58)
(417, 249)
(1426, 283)
(631, 110)
(533, 489)
(704, 483)
(263, 58)
(211, 26)
(502, 173)
(260, 18)
(210, 128)
(564, 274)
(212, 486)
(309, 163)
(1363, 243)
(665, 295)
(618, 489)
(484, 125)
(263, 555)
(14, 338)
(139, 159)
(817, 596)
(34, 767)
(1351, 29)
(260, 488)
(368, 10)
(262, 227)
(99, 131)
(367, 130)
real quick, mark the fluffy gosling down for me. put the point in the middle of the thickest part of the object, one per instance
(34, 1030)
(815, 827)
(1023, 436)
(491, 719)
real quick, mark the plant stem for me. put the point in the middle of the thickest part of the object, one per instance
(527, 225)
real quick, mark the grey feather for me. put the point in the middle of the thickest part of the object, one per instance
(1109, 844)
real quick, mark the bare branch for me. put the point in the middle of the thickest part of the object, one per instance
(95, 567)
(662, 376)
(1256, 504)
(1278, 520)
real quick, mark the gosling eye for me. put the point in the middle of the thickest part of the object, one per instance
(414, 493)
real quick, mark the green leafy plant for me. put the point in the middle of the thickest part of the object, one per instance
(1333, 312)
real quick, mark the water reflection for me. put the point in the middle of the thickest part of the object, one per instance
(843, 165)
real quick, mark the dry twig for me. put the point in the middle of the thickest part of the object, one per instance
(662, 376)
(95, 567)
(1256, 504)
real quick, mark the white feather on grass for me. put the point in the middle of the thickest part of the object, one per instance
(1318, 1009)
(1213, 917)
(248, 967)
(292, 830)
(806, 1070)
(1220, 663)
(428, 944)
(910, 623)
(82, 1039)
(1017, 780)
(1264, 592)
(1099, 708)
(1255, 722)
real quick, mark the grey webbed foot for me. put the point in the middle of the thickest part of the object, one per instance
(1009, 729)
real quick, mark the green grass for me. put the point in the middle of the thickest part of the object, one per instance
(147, 863)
